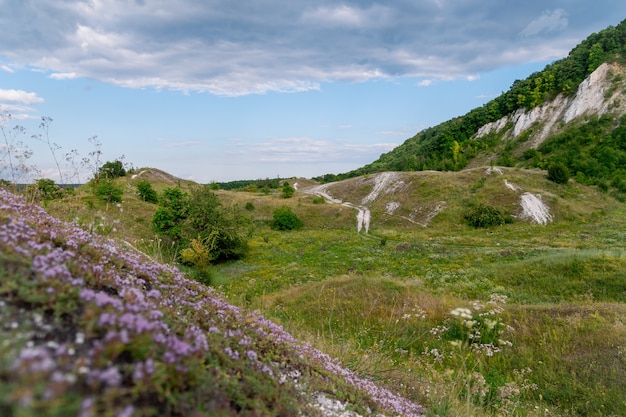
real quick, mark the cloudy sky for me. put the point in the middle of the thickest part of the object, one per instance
(217, 90)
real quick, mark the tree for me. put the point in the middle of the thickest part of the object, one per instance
(285, 219)
(172, 211)
(559, 173)
(108, 191)
(146, 192)
(46, 189)
(287, 190)
(484, 216)
(219, 229)
(112, 170)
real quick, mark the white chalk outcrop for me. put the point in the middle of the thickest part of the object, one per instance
(533, 208)
(595, 95)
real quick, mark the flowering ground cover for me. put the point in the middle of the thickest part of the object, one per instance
(89, 328)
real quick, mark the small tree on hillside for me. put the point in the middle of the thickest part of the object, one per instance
(483, 215)
(286, 219)
(558, 173)
(112, 170)
(146, 192)
(168, 219)
(287, 190)
(219, 229)
(108, 191)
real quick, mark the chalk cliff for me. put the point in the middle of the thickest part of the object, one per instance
(601, 93)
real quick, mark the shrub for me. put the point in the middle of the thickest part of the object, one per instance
(107, 191)
(249, 206)
(45, 189)
(112, 170)
(146, 192)
(172, 211)
(288, 190)
(219, 228)
(484, 216)
(286, 219)
(558, 173)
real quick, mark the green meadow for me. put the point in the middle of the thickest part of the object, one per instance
(519, 319)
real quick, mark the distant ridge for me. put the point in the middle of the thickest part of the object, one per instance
(585, 86)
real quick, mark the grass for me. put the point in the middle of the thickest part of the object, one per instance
(382, 302)
(348, 292)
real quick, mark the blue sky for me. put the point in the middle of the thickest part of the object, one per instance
(219, 90)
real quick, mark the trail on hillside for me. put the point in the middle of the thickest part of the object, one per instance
(363, 215)
(382, 183)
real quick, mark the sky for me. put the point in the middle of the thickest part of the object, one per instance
(222, 90)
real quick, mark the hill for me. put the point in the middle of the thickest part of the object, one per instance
(525, 125)
(93, 328)
(528, 312)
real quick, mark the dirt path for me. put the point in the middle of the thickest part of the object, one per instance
(363, 215)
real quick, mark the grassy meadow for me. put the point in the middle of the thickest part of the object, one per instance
(521, 319)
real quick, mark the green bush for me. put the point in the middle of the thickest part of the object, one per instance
(220, 229)
(558, 173)
(286, 219)
(287, 191)
(46, 189)
(108, 191)
(171, 213)
(146, 192)
(112, 170)
(484, 216)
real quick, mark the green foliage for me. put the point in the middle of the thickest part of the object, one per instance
(172, 211)
(285, 219)
(287, 190)
(199, 222)
(220, 229)
(146, 192)
(250, 184)
(45, 189)
(483, 215)
(558, 173)
(112, 170)
(107, 190)
(249, 206)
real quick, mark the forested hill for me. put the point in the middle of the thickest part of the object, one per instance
(452, 145)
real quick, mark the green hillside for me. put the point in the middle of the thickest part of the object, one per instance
(450, 146)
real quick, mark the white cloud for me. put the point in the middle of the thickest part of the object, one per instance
(6, 68)
(63, 75)
(425, 83)
(235, 48)
(305, 150)
(19, 96)
(549, 21)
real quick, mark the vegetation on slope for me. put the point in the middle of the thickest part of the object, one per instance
(90, 328)
(449, 146)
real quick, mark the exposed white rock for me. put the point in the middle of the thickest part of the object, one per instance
(591, 98)
(534, 209)
(391, 207)
(493, 170)
(511, 186)
(382, 183)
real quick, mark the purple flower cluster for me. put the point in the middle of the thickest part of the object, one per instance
(132, 319)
